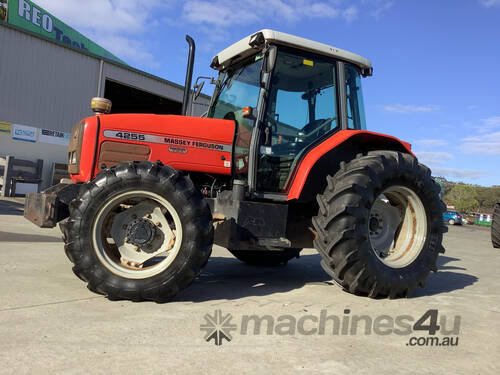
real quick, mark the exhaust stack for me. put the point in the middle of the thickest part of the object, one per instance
(189, 74)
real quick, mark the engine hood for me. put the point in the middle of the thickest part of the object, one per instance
(184, 143)
(185, 127)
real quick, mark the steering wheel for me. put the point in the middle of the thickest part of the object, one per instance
(316, 131)
(229, 116)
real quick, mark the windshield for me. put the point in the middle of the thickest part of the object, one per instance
(238, 88)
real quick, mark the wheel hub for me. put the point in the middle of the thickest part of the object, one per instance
(397, 226)
(141, 232)
(144, 235)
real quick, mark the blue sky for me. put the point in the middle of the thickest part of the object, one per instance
(436, 79)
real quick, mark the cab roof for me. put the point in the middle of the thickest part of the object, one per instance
(255, 42)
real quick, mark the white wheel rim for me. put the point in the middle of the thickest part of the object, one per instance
(397, 226)
(113, 222)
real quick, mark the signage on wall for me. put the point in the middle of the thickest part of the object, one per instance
(23, 133)
(5, 127)
(54, 137)
(29, 16)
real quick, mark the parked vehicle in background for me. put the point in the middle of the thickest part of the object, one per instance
(467, 219)
(495, 227)
(452, 217)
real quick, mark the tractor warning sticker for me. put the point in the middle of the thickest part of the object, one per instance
(175, 143)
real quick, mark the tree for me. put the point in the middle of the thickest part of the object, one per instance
(463, 197)
(445, 185)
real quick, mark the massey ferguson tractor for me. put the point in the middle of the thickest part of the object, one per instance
(281, 161)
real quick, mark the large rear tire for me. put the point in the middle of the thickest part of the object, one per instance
(138, 231)
(495, 227)
(265, 257)
(380, 224)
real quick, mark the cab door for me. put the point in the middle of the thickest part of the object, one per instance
(301, 108)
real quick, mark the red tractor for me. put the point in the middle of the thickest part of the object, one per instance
(281, 161)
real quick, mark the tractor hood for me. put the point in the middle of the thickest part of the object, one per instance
(188, 128)
(184, 143)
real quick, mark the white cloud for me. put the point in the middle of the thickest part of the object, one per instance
(225, 13)
(433, 157)
(127, 49)
(489, 123)
(379, 7)
(410, 108)
(350, 14)
(430, 142)
(457, 173)
(103, 15)
(490, 3)
(115, 24)
(488, 144)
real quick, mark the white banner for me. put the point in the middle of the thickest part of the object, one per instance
(54, 137)
(23, 133)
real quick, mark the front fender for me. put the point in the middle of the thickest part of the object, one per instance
(356, 141)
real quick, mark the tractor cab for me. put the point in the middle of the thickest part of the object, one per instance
(286, 94)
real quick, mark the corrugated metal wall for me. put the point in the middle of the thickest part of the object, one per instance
(42, 84)
(46, 85)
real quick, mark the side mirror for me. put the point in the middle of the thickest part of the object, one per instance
(198, 88)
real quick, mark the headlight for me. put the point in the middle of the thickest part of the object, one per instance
(75, 148)
(72, 157)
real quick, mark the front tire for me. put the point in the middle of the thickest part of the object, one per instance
(451, 222)
(380, 225)
(138, 231)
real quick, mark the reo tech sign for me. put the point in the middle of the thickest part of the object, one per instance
(31, 17)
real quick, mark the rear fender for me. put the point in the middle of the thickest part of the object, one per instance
(324, 159)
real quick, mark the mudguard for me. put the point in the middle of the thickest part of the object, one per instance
(304, 167)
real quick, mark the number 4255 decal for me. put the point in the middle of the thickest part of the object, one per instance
(131, 136)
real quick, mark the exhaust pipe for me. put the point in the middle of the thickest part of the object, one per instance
(189, 74)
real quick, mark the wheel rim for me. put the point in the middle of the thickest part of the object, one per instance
(397, 226)
(137, 234)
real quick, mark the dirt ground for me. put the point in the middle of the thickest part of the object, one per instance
(51, 323)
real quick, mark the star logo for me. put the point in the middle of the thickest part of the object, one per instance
(218, 327)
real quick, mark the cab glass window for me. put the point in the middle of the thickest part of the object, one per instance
(354, 99)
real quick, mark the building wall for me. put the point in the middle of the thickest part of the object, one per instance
(47, 85)
(42, 84)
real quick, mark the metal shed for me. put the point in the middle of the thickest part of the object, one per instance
(48, 85)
